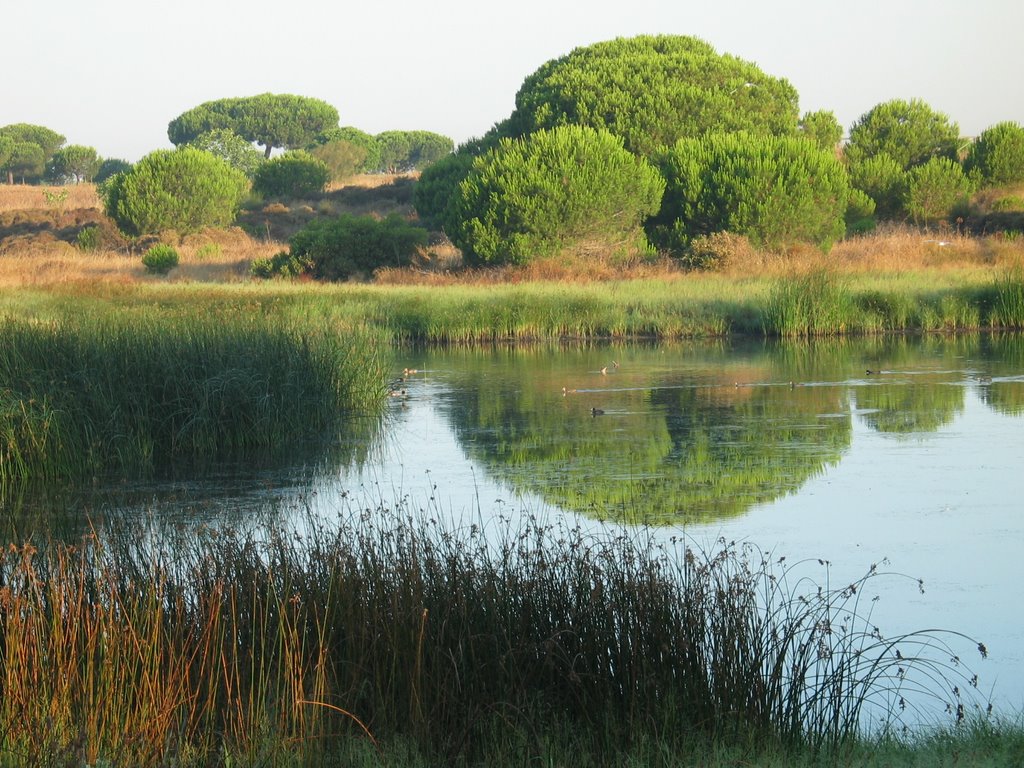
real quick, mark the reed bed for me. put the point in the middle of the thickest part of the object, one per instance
(139, 390)
(377, 627)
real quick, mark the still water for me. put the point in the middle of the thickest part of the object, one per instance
(906, 453)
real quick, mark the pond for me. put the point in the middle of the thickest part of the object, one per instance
(905, 453)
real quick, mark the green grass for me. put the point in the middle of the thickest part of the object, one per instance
(135, 390)
(381, 631)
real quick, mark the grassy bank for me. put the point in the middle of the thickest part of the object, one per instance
(386, 635)
(90, 388)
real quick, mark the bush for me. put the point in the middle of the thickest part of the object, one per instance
(282, 264)
(340, 248)
(935, 189)
(997, 157)
(343, 158)
(160, 259)
(88, 239)
(184, 189)
(551, 190)
(910, 132)
(362, 139)
(652, 91)
(436, 188)
(883, 180)
(717, 251)
(111, 167)
(860, 210)
(293, 174)
(775, 190)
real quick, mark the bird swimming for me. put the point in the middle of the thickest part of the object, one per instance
(596, 412)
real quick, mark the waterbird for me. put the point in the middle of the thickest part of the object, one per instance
(596, 412)
(872, 373)
(568, 391)
(407, 371)
(604, 370)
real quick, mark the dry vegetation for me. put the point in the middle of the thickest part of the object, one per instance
(39, 227)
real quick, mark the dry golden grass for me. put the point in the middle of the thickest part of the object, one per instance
(18, 197)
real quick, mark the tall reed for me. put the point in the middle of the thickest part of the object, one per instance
(273, 647)
(1008, 302)
(134, 391)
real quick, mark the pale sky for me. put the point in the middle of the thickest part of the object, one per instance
(112, 73)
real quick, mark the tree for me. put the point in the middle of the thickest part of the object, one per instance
(437, 187)
(271, 120)
(775, 190)
(292, 175)
(553, 189)
(652, 91)
(402, 151)
(46, 139)
(910, 132)
(184, 190)
(997, 157)
(74, 164)
(26, 160)
(342, 158)
(935, 188)
(365, 141)
(231, 148)
(883, 180)
(822, 127)
(111, 167)
(340, 248)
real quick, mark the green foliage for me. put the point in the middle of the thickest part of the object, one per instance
(292, 175)
(184, 190)
(652, 91)
(348, 246)
(25, 160)
(88, 239)
(73, 164)
(46, 139)
(553, 189)
(882, 179)
(403, 151)
(281, 264)
(437, 188)
(231, 148)
(910, 132)
(367, 142)
(716, 251)
(1009, 203)
(935, 189)
(273, 120)
(997, 157)
(860, 213)
(775, 190)
(343, 158)
(822, 127)
(814, 304)
(111, 167)
(160, 259)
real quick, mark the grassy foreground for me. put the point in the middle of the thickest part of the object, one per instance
(379, 636)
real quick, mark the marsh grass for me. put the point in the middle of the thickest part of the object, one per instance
(380, 627)
(135, 391)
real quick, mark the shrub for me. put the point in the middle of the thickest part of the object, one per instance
(997, 157)
(281, 264)
(362, 139)
(860, 210)
(185, 190)
(436, 188)
(910, 132)
(652, 91)
(111, 167)
(935, 188)
(343, 247)
(343, 158)
(823, 128)
(534, 196)
(882, 179)
(775, 190)
(88, 239)
(293, 174)
(160, 259)
(717, 251)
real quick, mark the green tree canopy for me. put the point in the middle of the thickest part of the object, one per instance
(292, 175)
(231, 148)
(271, 120)
(20, 159)
(883, 180)
(822, 127)
(111, 166)
(402, 151)
(184, 190)
(910, 132)
(997, 157)
(436, 188)
(652, 91)
(342, 158)
(367, 142)
(552, 189)
(25, 160)
(775, 190)
(48, 140)
(74, 164)
(934, 189)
